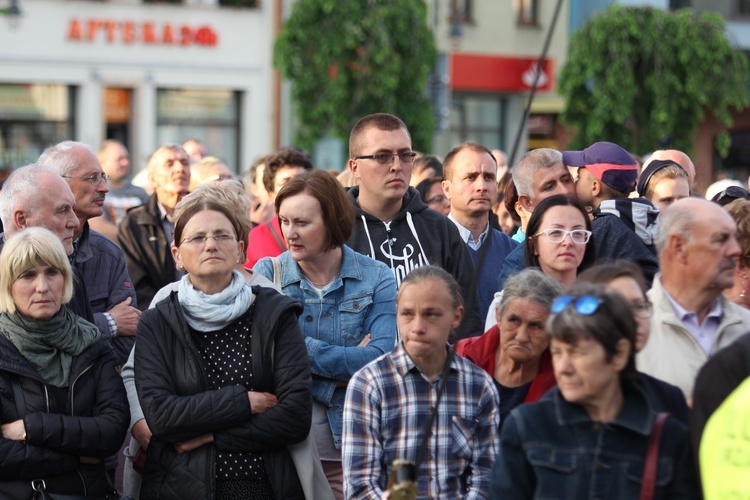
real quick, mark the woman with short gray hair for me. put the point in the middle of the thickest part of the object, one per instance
(515, 351)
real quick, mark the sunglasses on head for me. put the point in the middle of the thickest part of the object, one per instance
(730, 194)
(585, 304)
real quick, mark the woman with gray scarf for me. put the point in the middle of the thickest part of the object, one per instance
(63, 407)
(222, 374)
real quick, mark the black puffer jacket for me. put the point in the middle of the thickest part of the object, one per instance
(91, 423)
(174, 393)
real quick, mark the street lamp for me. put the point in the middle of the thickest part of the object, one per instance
(14, 13)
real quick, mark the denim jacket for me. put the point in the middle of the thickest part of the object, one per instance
(552, 449)
(360, 300)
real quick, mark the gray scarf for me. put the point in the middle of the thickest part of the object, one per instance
(208, 313)
(50, 345)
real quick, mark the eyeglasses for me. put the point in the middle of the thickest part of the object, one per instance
(643, 309)
(585, 304)
(94, 179)
(387, 158)
(439, 199)
(557, 235)
(201, 239)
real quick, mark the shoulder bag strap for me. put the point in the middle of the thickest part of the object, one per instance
(648, 484)
(276, 236)
(276, 272)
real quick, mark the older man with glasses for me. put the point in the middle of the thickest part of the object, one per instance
(393, 224)
(100, 261)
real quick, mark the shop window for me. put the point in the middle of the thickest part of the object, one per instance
(526, 12)
(679, 4)
(477, 118)
(743, 8)
(461, 10)
(211, 116)
(31, 118)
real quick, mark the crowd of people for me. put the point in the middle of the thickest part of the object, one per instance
(575, 325)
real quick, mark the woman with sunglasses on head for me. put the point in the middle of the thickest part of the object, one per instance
(626, 278)
(559, 243)
(221, 373)
(590, 438)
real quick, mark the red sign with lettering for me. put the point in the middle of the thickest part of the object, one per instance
(499, 74)
(141, 32)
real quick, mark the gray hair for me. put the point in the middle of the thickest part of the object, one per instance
(673, 221)
(530, 284)
(151, 161)
(529, 164)
(19, 190)
(62, 156)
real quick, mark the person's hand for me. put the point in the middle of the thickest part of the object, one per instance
(262, 213)
(90, 460)
(365, 340)
(194, 443)
(142, 433)
(14, 431)
(261, 401)
(126, 317)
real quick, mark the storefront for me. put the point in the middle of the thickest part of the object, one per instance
(144, 74)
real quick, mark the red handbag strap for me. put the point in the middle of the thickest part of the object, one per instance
(648, 484)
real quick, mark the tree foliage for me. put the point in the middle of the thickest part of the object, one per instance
(349, 59)
(644, 78)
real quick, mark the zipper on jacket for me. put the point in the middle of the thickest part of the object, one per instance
(72, 413)
(390, 247)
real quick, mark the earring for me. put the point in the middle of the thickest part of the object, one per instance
(180, 267)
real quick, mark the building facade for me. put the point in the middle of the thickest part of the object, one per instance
(142, 73)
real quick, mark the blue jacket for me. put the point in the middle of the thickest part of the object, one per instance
(105, 276)
(361, 300)
(552, 449)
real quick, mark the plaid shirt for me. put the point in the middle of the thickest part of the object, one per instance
(387, 411)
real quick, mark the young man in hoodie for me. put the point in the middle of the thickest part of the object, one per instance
(624, 228)
(393, 224)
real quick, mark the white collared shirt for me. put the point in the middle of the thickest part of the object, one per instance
(468, 237)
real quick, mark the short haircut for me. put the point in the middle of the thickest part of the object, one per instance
(202, 206)
(151, 160)
(425, 162)
(423, 273)
(531, 284)
(604, 274)
(529, 164)
(288, 157)
(612, 321)
(27, 249)
(106, 144)
(336, 209)
(257, 163)
(19, 192)
(668, 172)
(200, 170)
(451, 157)
(62, 156)
(229, 194)
(534, 227)
(675, 221)
(380, 121)
(739, 209)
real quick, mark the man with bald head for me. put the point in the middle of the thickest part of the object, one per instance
(697, 245)
(36, 196)
(679, 158)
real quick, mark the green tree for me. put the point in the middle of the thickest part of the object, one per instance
(349, 59)
(644, 78)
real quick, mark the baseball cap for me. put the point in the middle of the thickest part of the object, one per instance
(651, 168)
(608, 162)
